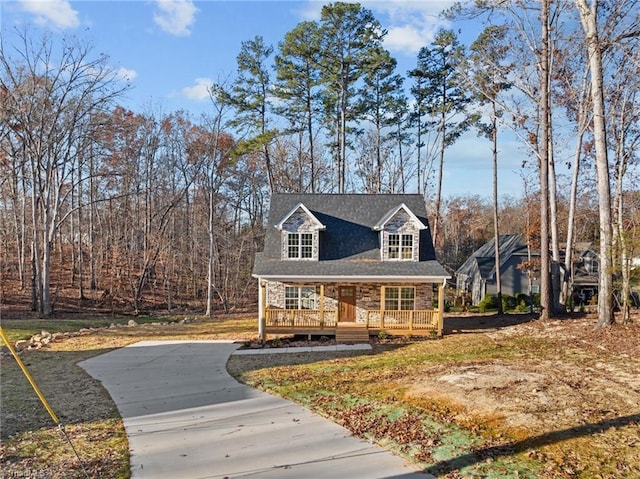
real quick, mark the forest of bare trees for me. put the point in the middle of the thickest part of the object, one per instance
(131, 210)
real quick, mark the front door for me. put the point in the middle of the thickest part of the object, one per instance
(347, 304)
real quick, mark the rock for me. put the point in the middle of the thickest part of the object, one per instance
(131, 323)
(22, 345)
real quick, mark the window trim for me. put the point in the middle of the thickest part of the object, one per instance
(300, 245)
(401, 250)
(399, 298)
(300, 298)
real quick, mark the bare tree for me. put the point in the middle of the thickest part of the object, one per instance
(596, 46)
(54, 87)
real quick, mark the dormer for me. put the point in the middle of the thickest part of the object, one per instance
(399, 234)
(299, 235)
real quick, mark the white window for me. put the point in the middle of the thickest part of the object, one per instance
(400, 246)
(399, 298)
(299, 245)
(300, 297)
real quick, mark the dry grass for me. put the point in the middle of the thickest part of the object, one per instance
(537, 400)
(540, 400)
(32, 445)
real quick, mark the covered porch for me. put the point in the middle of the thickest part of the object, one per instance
(349, 306)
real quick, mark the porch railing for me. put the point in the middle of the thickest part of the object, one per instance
(405, 320)
(300, 318)
(421, 320)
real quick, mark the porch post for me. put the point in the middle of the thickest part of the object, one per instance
(382, 296)
(440, 306)
(321, 308)
(262, 306)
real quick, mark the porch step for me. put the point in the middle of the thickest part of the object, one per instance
(351, 333)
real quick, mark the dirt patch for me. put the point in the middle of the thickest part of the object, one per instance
(586, 375)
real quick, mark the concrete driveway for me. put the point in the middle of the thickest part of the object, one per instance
(186, 418)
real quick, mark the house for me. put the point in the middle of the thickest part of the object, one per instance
(334, 262)
(585, 274)
(477, 276)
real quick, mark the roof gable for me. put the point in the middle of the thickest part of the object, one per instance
(348, 220)
(300, 206)
(349, 246)
(483, 259)
(382, 223)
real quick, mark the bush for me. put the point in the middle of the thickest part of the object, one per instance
(509, 303)
(489, 302)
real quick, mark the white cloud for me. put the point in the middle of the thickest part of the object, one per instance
(175, 16)
(56, 12)
(411, 24)
(199, 91)
(126, 74)
(406, 38)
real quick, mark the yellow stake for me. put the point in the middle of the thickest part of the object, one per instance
(29, 378)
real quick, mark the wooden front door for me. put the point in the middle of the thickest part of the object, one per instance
(347, 304)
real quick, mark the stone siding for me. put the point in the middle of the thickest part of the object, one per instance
(367, 296)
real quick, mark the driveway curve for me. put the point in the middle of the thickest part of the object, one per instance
(187, 418)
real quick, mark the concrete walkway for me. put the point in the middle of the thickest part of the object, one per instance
(186, 418)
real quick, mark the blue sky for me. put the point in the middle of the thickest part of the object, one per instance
(171, 50)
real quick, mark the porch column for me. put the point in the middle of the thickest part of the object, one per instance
(382, 296)
(321, 306)
(262, 306)
(440, 306)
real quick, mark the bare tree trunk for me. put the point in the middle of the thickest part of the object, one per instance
(545, 290)
(589, 19)
(496, 227)
(210, 263)
(568, 256)
(438, 206)
(93, 284)
(582, 125)
(553, 224)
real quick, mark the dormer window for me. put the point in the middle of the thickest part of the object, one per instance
(399, 234)
(300, 234)
(400, 246)
(299, 245)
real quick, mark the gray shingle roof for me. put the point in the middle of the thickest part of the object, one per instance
(349, 246)
(483, 259)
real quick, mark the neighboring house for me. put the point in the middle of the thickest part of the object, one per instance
(585, 272)
(477, 276)
(332, 261)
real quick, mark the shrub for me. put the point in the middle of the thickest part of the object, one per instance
(509, 303)
(489, 302)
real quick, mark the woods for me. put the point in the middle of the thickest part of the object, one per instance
(132, 210)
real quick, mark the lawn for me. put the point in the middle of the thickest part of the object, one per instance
(496, 400)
